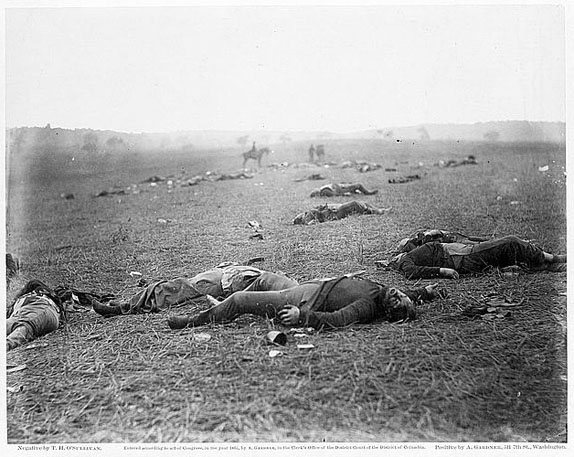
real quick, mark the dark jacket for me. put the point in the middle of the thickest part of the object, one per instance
(344, 301)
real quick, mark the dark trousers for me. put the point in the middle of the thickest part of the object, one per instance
(502, 252)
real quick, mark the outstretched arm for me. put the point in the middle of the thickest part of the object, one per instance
(411, 270)
(426, 261)
(427, 293)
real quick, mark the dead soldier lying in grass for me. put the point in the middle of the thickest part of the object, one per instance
(220, 281)
(447, 260)
(342, 189)
(336, 211)
(328, 303)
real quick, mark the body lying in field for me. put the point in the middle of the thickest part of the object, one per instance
(404, 179)
(469, 160)
(341, 189)
(220, 281)
(332, 212)
(321, 304)
(36, 311)
(361, 165)
(435, 259)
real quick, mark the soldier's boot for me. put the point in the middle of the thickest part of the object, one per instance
(105, 310)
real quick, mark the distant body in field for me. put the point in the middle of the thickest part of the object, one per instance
(332, 212)
(469, 160)
(342, 189)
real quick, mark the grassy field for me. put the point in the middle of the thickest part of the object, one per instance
(442, 377)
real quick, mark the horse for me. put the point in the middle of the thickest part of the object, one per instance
(255, 154)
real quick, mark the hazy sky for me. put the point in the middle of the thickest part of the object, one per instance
(336, 68)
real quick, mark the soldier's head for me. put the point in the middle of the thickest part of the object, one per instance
(432, 235)
(406, 245)
(299, 219)
(399, 306)
(308, 217)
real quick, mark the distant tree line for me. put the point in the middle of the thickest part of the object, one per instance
(30, 139)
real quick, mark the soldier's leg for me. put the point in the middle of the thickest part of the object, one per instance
(258, 303)
(327, 192)
(247, 302)
(266, 304)
(11, 324)
(349, 208)
(268, 281)
(19, 335)
(358, 187)
(507, 251)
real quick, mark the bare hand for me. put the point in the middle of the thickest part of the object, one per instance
(449, 273)
(434, 292)
(431, 289)
(289, 315)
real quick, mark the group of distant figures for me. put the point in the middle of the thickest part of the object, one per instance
(316, 154)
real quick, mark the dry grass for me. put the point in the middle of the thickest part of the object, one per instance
(443, 377)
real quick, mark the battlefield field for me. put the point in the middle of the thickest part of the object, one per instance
(499, 377)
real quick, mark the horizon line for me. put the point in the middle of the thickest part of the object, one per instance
(286, 130)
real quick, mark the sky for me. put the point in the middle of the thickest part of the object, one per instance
(336, 68)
